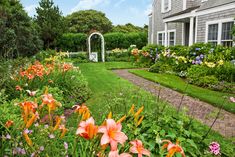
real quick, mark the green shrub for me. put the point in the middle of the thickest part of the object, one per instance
(207, 81)
(197, 71)
(123, 55)
(226, 72)
(160, 67)
(180, 50)
(42, 55)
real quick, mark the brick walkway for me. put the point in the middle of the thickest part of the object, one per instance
(200, 110)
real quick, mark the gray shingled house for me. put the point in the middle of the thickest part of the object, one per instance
(184, 22)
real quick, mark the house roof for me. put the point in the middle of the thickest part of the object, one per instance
(214, 3)
(188, 10)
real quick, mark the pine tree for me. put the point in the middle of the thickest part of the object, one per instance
(50, 21)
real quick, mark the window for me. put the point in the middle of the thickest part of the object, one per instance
(220, 32)
(171, 38)
(213, 34)
(226, 36)
(166, 6)
(161, 38)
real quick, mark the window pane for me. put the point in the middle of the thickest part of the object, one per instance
(172, 38)
(166, 4)
(227, 43)
(227, 31)
(213, 32)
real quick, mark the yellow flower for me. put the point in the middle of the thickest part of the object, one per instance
(210, 64)
(220, 62)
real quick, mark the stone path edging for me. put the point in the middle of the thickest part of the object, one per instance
(200, 110)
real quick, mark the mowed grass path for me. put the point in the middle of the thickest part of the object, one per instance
(176, 83)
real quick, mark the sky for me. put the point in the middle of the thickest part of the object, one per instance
(118, 11)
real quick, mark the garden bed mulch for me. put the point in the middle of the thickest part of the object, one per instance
(200, 110)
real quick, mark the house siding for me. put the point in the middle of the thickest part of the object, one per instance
(201, 31)
(150, 29)
(193, 3)
(177, 6)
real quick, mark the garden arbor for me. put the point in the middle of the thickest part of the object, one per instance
(93, 56)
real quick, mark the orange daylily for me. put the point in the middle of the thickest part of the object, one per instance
(28, 108)
(138, 148)
(138, 112)
(58, 121)
(80, 109)
(87, 129)
(67, 67)
(9, 123)
(31, 120)
(172, 148)
(27, 139)
(63, 131)
(132, 109)
(47, 99)
(112, 134)
(115, 154)
(121, 119)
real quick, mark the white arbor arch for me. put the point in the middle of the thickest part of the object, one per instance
(102, 44)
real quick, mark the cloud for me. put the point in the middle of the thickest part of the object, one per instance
(89, 4)
(31, 9)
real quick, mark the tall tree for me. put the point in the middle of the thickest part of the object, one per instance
(50, 21)
(18, 33)
(86, 20)
(127, 28)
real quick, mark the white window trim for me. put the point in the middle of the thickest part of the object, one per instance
(219, 22)
(168, 36)
(163, 41)
(184, 4)
(163, 7)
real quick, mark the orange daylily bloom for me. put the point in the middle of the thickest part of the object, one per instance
(138, 112)
(28, 108)
(121, 119)
(138, 148)
(87, 129)
(172, 148)
(27, 139)
(63, 131)
(132, 109)
(140, 121)
(80, 109)
(58, 121)
(115, 154)
(47, 99)
(112, 134)
(86, 115)
(109, 115)
(9, 123)
(31, 120)
(67, 67)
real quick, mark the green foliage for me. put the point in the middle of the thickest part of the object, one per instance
(86, 20)
(207, 81)
(122, 56)
(179, 50)
(160, 67)
(197, 71)
(42, 55)
(127, 28)
(73, 42)
(226, 72)
(18, 33)
(124, 40)
(50, 21)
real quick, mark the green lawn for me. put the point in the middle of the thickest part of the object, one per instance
(213, 97)
(112, 93)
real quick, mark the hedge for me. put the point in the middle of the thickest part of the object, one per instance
(74, 42)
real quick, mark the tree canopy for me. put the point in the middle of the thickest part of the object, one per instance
(51, 22)
(18, 33)
(127, 28)
(86, 20)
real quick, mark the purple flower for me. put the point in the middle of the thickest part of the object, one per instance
(41, 148)
(66, 145)
(8, 137)
(193, 62)
(51, 136)
(198, 58)
(197, 49)
(201, 56)
(214, 148)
